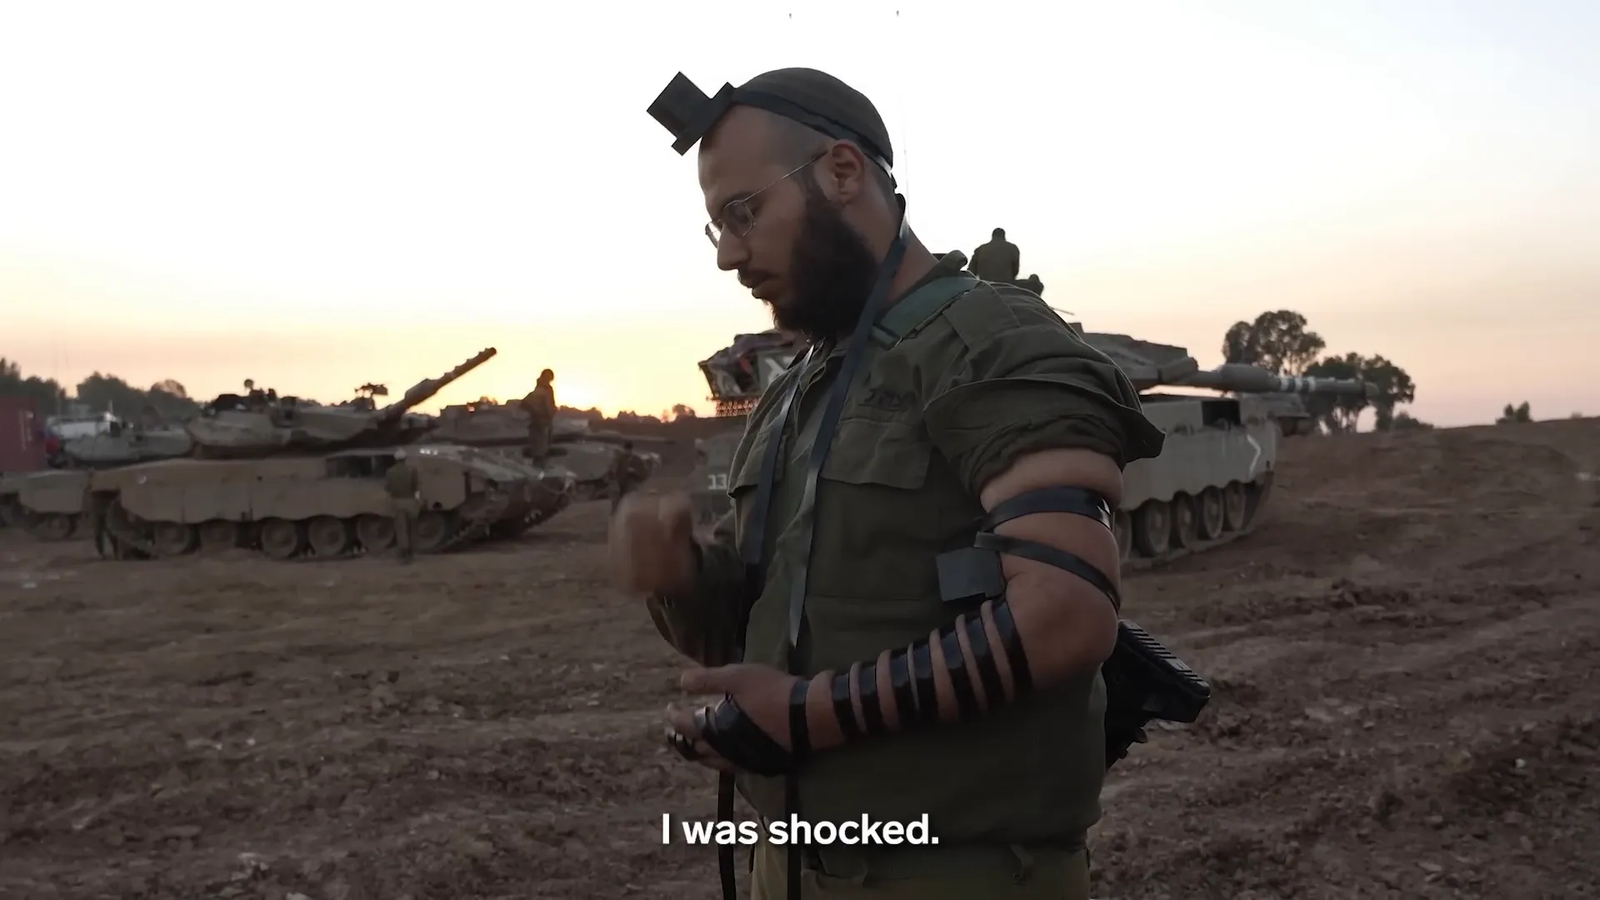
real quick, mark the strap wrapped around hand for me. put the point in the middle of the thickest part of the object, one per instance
(730, 731)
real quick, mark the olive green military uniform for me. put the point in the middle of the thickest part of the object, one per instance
(987, 378)
(998, 260)
(541, 408)
(401, 484)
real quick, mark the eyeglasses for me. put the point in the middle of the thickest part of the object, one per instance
(737, 216)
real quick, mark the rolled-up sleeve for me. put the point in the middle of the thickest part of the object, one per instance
(1027, 382)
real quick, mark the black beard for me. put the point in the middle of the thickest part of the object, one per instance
(831, 272)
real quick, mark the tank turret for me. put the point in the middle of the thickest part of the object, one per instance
(126, 446)
(249, 429)
(1150, 365)
(738, 373)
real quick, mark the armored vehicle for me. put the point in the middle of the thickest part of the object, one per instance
(46, 504)
(326, 506)
(502, 428)
(1208, 486)
(307, 482)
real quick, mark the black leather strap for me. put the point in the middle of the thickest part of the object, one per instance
(922, 677)
(871, 703)
(1050, 556)
(1064, 499)
(994, 688)
(1011, 644)
(955, 665)
(843, 709)
(739, 740)
(799, 725)
(905, 698)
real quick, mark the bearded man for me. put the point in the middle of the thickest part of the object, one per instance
(908, 608)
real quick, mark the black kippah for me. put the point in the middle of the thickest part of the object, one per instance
(823, 103)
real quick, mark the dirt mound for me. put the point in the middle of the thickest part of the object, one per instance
(1406, 660)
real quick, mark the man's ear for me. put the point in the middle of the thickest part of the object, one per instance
(842, 172)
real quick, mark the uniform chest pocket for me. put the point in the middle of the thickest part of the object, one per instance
(873, 529)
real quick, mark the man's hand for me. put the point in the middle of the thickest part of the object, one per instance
(761, 691)
(651, 544)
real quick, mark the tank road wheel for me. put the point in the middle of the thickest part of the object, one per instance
(1122, 530)
(1234, 506)
(173, 538)
(218, 534)
(329, 537)
(1152, 529)
(433, 530)
(376, 533)
(53, 527)
(1185, 527)
(281, 538)
(1211, 520)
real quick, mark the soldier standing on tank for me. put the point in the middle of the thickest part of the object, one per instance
(405, 504)
(998, 260)
(856, 681)
(540, 405)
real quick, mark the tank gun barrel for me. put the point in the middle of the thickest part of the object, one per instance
(428, 387)
(1247, 379)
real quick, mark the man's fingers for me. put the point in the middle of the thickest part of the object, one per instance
(682, 721)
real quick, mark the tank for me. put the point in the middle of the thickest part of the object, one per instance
(232, 427)
(298, 481)
(1208, 487)
(46, 504)
(1214, 476)
(576, 449)
(125, 446)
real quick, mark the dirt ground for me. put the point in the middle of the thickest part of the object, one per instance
(1405, 659)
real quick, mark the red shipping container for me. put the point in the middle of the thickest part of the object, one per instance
(21, 436)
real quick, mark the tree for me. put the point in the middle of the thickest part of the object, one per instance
(681, 411)
(1520, 414)
(1404, 422)
(45, 393)
(170, 387)
(1340, 413)
(1277, 341)
(1394, 388)
(111, 394)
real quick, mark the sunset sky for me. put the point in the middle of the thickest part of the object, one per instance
(316, 195)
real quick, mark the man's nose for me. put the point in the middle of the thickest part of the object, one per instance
(732, 252)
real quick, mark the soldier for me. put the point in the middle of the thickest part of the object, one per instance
(540, 404)
(998, 260)
(405, 504)
(857, 679)
(628, 471)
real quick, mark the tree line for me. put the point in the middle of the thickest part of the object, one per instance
(98, 392)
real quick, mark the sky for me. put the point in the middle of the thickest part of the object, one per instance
(320, 194)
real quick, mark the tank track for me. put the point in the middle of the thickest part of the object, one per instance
(1136, 559)
(125, 541)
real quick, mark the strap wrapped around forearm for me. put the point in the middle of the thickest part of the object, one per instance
(916, 690)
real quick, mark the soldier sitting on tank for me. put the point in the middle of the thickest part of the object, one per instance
(405, 504)
(998, 260)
